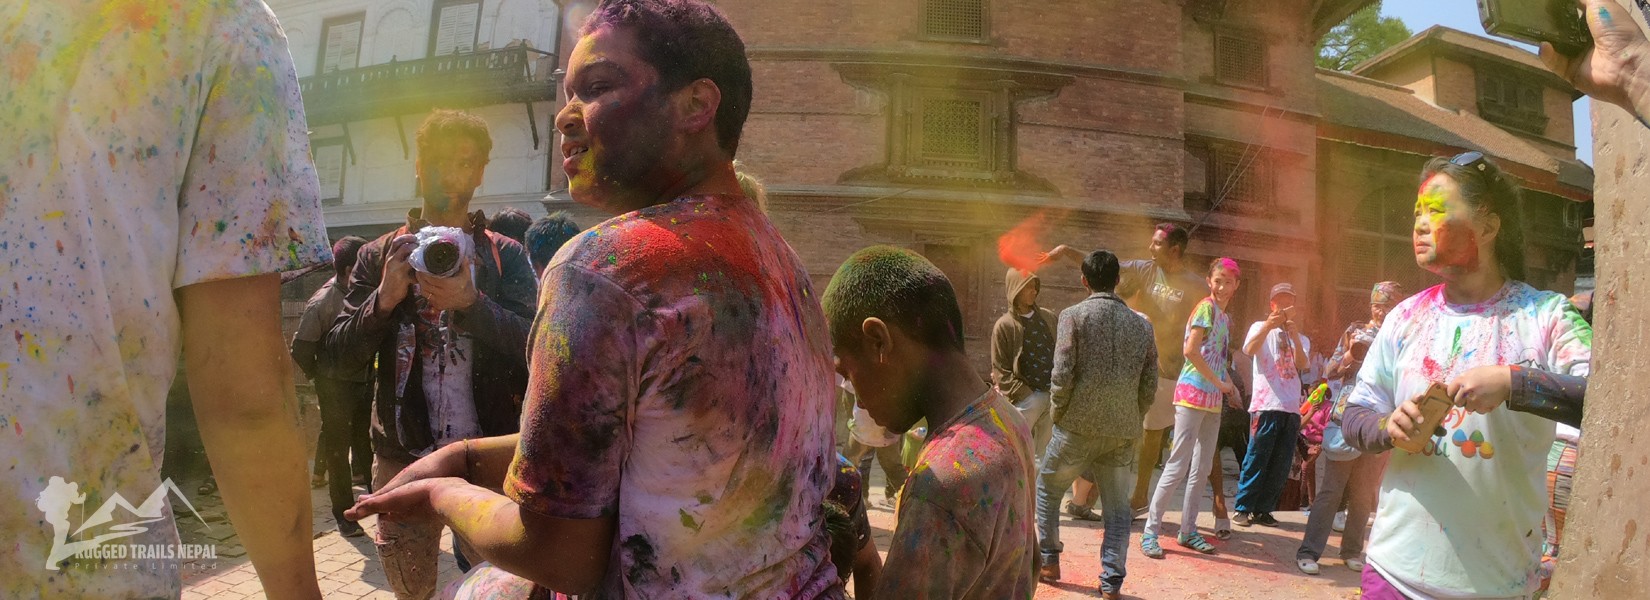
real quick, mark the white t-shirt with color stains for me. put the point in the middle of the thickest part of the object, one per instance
(148, 146)
(1463, 518)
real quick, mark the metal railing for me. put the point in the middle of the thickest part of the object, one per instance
(502, 76)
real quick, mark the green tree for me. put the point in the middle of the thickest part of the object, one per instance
(1359, 38)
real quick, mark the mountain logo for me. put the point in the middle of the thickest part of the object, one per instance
(59, 496)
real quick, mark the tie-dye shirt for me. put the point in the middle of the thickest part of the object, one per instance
(966, 528)
(681, 381)
(1192, 390)
(1463, 518)
(148, 146)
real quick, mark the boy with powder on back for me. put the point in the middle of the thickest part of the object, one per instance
(965, 514)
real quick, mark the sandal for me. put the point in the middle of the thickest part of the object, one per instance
(1149, 546)
(1196, 542)
(1223, 529)
(1081, 513)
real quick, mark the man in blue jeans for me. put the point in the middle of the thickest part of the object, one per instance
(1280, 352)
(1105, 378)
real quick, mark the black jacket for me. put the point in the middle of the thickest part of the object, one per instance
(498, 323)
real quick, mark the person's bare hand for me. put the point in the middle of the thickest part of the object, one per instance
(1610, 69)
(1060, 251)
(457, 292)
(1226, 388)
(1406, 422)
(1276, 320)
(410, 502)
(397, 280)
(1482, 389)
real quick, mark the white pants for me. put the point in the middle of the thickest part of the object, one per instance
(1038, 411)
(1190, 455)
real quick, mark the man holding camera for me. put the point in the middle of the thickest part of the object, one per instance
(451, 350)
(1280, 353)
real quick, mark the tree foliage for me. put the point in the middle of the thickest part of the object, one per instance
(1360, 37)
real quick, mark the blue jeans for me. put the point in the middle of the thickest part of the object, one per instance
(1109, 461)
(1266, 466)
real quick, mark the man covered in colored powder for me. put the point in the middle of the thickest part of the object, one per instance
(1022, 353)
(1165, 290)
(450, 350)
(155, 180)
(676, 437)
(965, 514)
(1279, 351)
(345, 395)
(1105, 378)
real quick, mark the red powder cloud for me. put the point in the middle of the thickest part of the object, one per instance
(1022, 246)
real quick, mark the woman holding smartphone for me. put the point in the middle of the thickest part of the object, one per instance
(1462, 518)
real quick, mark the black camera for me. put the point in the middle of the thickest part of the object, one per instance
(1558, 22)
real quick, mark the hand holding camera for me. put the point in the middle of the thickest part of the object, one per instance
(442, 261)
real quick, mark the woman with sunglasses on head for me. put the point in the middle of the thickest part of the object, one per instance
(1462, 518)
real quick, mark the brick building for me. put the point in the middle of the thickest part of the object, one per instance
(1441, 92)
(940, 124)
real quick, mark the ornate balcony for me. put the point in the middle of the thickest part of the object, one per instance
(503, 76)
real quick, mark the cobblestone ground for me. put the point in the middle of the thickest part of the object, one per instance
(1258, 562)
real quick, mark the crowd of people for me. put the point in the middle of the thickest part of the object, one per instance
(648, 407)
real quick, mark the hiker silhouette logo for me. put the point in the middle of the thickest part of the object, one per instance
(92, 539)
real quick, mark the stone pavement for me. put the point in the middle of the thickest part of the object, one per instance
(1258, 562)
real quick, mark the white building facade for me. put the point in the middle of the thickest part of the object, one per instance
(372, 70)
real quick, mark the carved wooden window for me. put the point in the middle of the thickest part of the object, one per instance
(1240, 59)
(1507, 100)
(952, 132)
(1243, 180)
(955, 20)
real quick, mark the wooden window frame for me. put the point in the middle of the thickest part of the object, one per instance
(343, 166)
(326, 25)
(435, 24)
(927, 33)
(1242, 35)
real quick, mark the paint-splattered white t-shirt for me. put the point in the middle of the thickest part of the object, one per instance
(147, 146)
(1463, 518)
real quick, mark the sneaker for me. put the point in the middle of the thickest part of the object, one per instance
(1355, 563)
(1340, 521)
(1241, 518)
(1307, 565)
(1105, 595)
(1149, 546)
(1050, 573)
(1265, 519)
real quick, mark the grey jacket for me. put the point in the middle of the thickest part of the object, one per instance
(1105, 368)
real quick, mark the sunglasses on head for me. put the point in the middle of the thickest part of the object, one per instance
(1472, 160)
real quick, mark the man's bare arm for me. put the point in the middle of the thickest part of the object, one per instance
(240, 382)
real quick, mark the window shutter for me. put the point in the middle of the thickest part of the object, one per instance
(954, 19)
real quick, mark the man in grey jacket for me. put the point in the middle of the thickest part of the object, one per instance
(1105, 378)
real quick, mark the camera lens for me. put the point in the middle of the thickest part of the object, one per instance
(441, 258)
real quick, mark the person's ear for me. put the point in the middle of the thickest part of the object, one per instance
(879, 340)
(1489, 226)
(697, 104)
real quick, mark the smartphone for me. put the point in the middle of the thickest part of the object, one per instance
(1434, 405)
(1558, 22)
